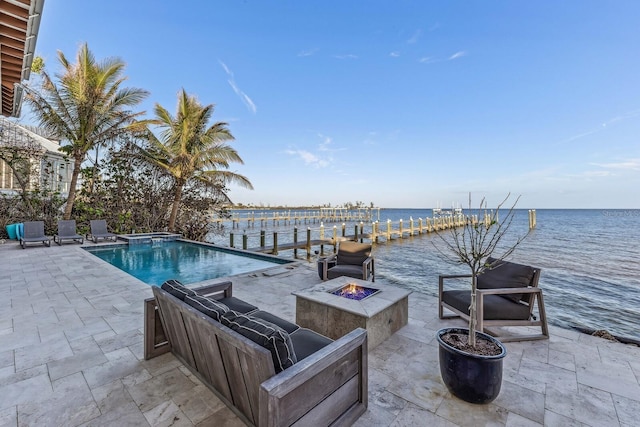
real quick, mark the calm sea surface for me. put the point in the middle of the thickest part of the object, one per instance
(590, 261)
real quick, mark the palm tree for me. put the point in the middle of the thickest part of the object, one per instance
(86, 108)
(188, 149)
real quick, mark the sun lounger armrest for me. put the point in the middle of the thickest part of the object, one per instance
(335, 374)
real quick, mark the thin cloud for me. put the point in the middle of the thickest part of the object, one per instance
(326, 143)
(457, 55)
(394, 54)
(243, 96)
(309, 158)
(347, 56)
(428, 60)
(415, 37)
(629, 164)
(307, 52)
(604, 125)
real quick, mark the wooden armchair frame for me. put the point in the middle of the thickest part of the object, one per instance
(534, 296)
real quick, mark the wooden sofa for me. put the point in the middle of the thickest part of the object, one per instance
(328, 387)
(506, 295)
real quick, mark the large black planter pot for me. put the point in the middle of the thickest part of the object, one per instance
(473, 378)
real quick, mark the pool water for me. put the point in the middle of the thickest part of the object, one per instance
(185, 261)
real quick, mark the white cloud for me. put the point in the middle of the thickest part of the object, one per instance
(243, 96)
(428, 60)
(629, 164)
(394, 54)
(457, 55)
(604, 125)
(309, 158)
(307, 52)
(347, 56)
(414, 38)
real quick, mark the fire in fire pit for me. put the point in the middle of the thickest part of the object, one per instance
(354, 291)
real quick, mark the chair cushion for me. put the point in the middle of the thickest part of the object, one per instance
(210, 307)
(353, 253)
(238, 305)
(345, 270)
(284, 324)
(495, 306)
(506, 275)
(177, 289)
(306, 342)
(270, 336)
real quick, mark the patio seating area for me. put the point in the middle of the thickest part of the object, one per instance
(72, 353)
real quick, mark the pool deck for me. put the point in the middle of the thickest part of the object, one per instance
(71, 354)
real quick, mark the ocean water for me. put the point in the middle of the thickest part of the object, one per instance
(590, 261)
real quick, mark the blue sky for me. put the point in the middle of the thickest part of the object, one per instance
(399, 103)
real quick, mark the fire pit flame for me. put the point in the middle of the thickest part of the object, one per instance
(354, 291)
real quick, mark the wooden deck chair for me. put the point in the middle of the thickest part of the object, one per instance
(506, 296)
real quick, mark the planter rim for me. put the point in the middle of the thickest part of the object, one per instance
(443, 331)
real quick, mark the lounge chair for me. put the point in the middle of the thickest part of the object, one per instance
(67, 231)
(34, 233)
(353, 260)
(99, 231)
(506, 296)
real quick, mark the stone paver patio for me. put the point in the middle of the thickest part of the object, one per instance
(71, 354)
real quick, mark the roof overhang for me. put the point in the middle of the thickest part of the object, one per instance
(19, 24)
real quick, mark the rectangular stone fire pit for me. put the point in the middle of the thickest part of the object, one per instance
(381, 313)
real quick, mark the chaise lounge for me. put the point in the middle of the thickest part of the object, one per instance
(506, 295)
(34, 233)
(67, 231)
(269, 371)
(99, 231)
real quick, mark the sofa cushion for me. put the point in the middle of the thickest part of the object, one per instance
(210, 307)
(238, 305)
(345, 270)
(306, 342)
(177, 289)
(270, 336)
(506, 275)
(284, 324)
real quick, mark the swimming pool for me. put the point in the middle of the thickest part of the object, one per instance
(187, 262)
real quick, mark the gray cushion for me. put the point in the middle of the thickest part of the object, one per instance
(353, 253)
(306, 342)
(177, 289)
(270, 336)
(495, 307)
(345, 270)
(506, 275)
(284, 324)
(210, 307)
(238, 305)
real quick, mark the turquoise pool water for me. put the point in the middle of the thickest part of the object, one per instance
(185, 261)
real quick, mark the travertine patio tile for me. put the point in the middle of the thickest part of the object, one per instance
(75, 363)
(120, 340)
(8, 375)
(157, 390)
(71, 404)
(29, 390)
(413, 415)
(125, 415)
(522, 401)
(9, 417)
(167, 414)
(627, 409)
(562, 360)
(6, 358)
(375, 415)
(553, 419)
(389, 402)
(121, 363)
(515, 420)
(470, 415)
(538, 372)
(44, 352)
(615, 378)
(16, 340)
(589, 405)
(198, 404)
(223, 418)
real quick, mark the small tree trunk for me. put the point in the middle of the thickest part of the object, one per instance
(77, 164)
(473, 321)
(177, 197)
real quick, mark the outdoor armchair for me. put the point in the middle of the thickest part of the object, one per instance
(507, 294)
(353, 259)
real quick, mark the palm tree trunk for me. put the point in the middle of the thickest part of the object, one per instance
(71, 198)
(176, 205)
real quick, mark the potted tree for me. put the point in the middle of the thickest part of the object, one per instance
(471, 363)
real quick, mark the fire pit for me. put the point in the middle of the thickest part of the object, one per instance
(354, 291)
(338, 306)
